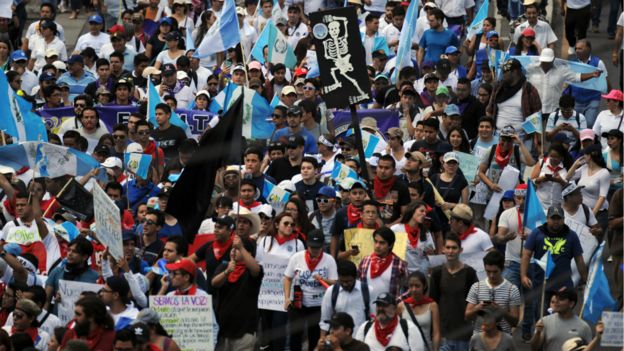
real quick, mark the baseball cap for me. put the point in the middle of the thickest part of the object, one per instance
(203, 92)
(591, 148)
(570, 188)
(265, 209)
(614, 133)
(301, 72)
(548, 55)
(394, 132)
(294, 111)
(181, 75)
(555, 211)
(134, 148)
(75, 59)
(350, 184)
(381, 76)
(433, 76)
(508, 195)
(281, 21)
(165, 20)
(492, 34)
(238, 68)
(341, 319)
(442, 90)
(443, 66)
(521, 189)
(462, 211)
(184, 264)
(452, 110)
(254, 65)
(508, 131)
(385, 299)
(112, 162)
(95, 19)
(18, 55)
(614, 94)
(60, 65)
(289, 89)
(562, 138)
(528, 32)
(574, 344)
(46, 77)
(416, 155)
(175, 35)
(295, 141)
(450, 50)
(327, 192)
(587, 134)
(511, 65)
(316, 238)
(225, 221)
(168, 69)
(451, 156)
(51, 53)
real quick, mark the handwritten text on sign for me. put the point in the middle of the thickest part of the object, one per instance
(188, 319)
(614, 329)
(70, 293)
(271, 291)
(107, 222)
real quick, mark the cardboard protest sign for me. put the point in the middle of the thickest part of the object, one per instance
(189, 319)
(614, 329)
(107, 222)
(363, 239)
(271, 296)
(341, 57)
(469, 164)
(70, 293)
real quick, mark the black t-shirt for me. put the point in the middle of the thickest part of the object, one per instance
(398, 195)
(450, 191)
(206, 253)
(169, 140)
(237, 309)
(157, 45)
(307, 193)
(282, 169)
(152, 252)
(425, 147)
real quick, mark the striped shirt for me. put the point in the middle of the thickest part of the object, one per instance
(506, 295)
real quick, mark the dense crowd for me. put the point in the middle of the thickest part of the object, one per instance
(405, 253)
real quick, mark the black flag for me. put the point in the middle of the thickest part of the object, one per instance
(77, 200)
(341, 57)
(220, 146)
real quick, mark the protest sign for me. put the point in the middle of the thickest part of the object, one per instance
(271, 296)
(189, 319)
(70, 293)
(107, 222)
(613, 329)
(363, 239)
(469, 164)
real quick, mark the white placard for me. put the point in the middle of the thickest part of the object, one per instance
(70, 293)
(5, 9)
(107, 222)
(271, 295)
(613, 329)
(508, 181)
(188, 318)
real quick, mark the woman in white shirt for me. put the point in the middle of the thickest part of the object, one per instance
(48, 40)
(550, 178)
(419, 239)
(173, 51)
(422, 310)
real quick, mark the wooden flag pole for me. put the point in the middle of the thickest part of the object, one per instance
(3, 137)
(57, 195)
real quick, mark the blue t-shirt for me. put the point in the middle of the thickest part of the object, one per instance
(310, 146)
(435, 43)
(563, 247)
(170, 230)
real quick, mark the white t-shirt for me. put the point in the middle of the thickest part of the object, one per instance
(549, 192)
(544, 34)
(414, 340)
(595, 186)
(93, 138)
(39, 46)
(286, 250)
(607, 121)
(380, 284)
(33, 29)
(92, 41)
(392, 33)
(455, 8)
(298, 269)
(579, 216)
(509, 219)
(164, 57)
(476, 242)
(550, 125)
(510, 112)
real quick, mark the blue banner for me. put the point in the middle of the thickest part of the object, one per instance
(111, 115)
(386, 119)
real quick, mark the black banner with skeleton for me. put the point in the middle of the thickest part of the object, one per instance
(341, 57)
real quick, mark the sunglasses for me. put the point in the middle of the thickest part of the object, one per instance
(308, 88)
(117, 136)
(275, 115)
(288, 224)
(321, 200)
(143, 133)
(149, 222)
(80, 105)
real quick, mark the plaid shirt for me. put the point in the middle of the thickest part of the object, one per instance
(397, 276)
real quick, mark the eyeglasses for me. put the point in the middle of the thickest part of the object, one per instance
(288, 224)
(308, 88)
(144, 132)
(149, 222)
(119, 136)
(321, 200)
(80, 105)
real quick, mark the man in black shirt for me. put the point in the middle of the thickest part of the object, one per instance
(427, 146)
(389, 190)
(152, 247)
(340, 335)
(168, 136)
(287, 167)
(469, 106)
(309, 185)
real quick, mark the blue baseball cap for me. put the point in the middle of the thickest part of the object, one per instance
(452, 110)
(46, 77)
(491, 34)
(327, 192)
(165, 20)
(508, 195)
(451, 50)
(18, 55)
(96, 19)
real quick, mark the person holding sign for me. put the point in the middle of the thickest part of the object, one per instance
(420, 239)
(382, 270)
(370, 221)
(349, 216)
(313, 271)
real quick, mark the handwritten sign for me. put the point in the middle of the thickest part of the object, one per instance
(363, 239)
(613, 329)
(70, 293)
(271, 295)
(469, 164)
(188, 318)
(107, 222)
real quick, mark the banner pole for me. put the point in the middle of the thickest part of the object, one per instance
(57, 195)
(360, 148)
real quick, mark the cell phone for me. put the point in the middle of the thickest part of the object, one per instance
(355, 247)
(548, 176)
(487, 302)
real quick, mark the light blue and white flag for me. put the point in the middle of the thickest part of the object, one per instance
(16, 116)
(533, 123)
(496, 58)
(190, 44)
(274, 102)
(597, 296)
(256, 110)
(275, 196)
(279, 49)
(257, 52)
(277, 11)
(546, 263)
(477, 23)
(137, 164)
(379, 43)
(342, 172)
(404, 51)
(222, 35)
(48, 159)
(599, 84)
(153, 99)
(369, 142)
(534, 215)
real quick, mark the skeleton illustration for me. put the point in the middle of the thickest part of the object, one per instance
(337, 50)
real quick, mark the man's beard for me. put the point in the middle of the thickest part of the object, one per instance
(82, 328)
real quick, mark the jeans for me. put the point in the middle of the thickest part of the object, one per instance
(512, 273)
(515, 9)
(454, 345)
(589, 109)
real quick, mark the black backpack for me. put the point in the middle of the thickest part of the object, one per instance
(557, 114)
(365, 297)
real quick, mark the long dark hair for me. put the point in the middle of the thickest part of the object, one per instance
(94, 307)
(597, 158)
(520, 45)
(409, 212)
(464, 146)
(302, 215)
(566, 158)
(274, 228)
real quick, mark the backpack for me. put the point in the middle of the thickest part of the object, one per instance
(365, 297)
(402, 322)
(516, 151)
(557, 114)
(586, 211)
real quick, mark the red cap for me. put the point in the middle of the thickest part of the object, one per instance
(184, 264)
(528, 32)
(524, 186)
(301, 72)
(117, 29)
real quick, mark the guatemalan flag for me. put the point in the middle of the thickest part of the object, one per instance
(404, 51)
(342, 172)
(533, 123)
(279, 50)
(262, 41)
(222, 35)
(477, 23)
(48, 159)
(275, 196)
(534, 215)
(153, 99)
(369, 142)
(17, 118)
(597, 296)
(137, 163)
(599, 83)
(256, 110)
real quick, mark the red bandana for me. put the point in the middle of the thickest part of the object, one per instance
(32, 332)
(382, 187)
(312, 262)
(384, 334)
(423, 301)
(191, 292)
(281, 240)
(354, 214)
(501, 160)
(379, 264)
(554, 169)
(239, 269)
(250, 206)
(413, 234)
(219, 249)
(470, 230)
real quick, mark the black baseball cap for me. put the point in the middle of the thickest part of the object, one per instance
(385, 299)
(613, 132)
(226, 221)
(295, 141)
(169, 69)
(316, 238)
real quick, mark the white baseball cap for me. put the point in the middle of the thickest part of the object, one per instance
(548, 55)
(134, 148)
(112, 162)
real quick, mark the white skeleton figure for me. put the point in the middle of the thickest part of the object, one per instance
(337, 50)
